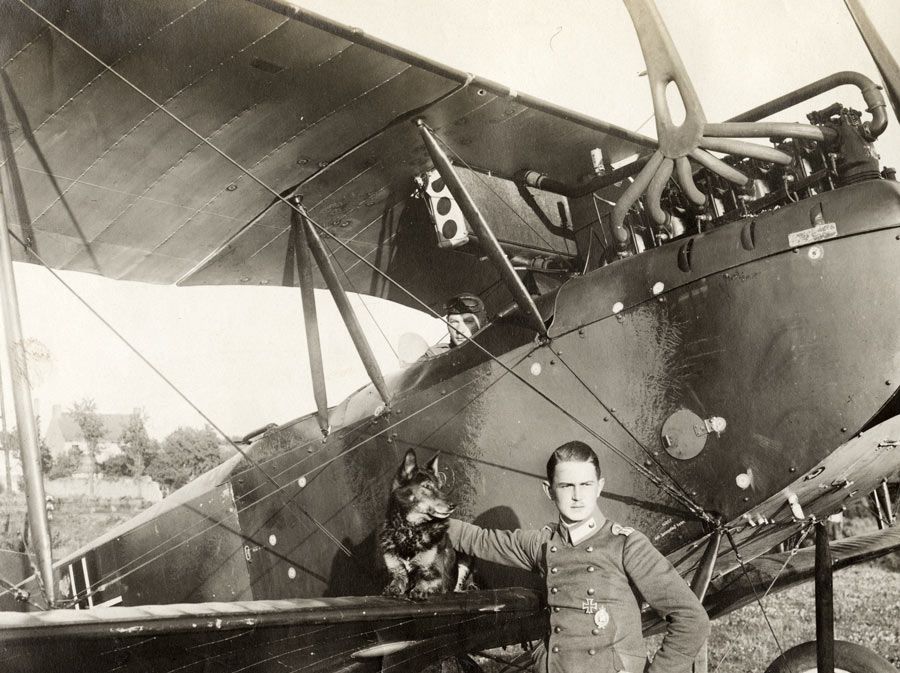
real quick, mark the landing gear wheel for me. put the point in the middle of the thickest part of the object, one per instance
(848, 658)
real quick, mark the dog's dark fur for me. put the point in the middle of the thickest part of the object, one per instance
(414, 539)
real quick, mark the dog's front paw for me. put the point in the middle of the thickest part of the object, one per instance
(395, 588)
(420, 594)
(468, 585)
(423, 590)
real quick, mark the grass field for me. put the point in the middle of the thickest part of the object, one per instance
(866, 612)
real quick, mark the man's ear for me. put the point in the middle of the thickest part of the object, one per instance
(601, 482)
(547, 491)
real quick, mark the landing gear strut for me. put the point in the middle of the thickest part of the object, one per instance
(827, 655)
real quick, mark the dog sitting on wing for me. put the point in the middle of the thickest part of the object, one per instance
(414, 539)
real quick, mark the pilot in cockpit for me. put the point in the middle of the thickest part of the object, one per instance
(465, 315)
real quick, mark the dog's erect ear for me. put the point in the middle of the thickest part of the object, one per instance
(432, 466)
(407, 467)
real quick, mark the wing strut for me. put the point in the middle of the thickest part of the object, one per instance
(486, 237)
(323, 261)
(28, 436)
(703, 575)
(310, 317)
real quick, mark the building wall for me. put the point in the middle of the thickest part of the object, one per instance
(104, 487)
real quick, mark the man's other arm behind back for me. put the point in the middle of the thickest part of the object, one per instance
(667, 593)
(516, 548)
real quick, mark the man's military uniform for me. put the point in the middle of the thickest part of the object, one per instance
(596, 573)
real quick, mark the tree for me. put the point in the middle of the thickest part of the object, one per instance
(67, 463)
(11, 440)
(185, 454)
(138, 450)
(85, 413)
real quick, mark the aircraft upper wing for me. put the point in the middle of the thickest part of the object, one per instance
(114, 175)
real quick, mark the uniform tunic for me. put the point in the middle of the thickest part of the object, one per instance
(595, 575)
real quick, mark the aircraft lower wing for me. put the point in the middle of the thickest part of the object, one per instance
(330, 634)
(150, 141)
(349, 633)
(784, 570)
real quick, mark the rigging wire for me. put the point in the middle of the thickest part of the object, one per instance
(178, 392)
(649, 475)
(285, 200)
(685, 496)
(18, 593)
(740, 559)
(116, 576)
(362, 301)
(322, 229)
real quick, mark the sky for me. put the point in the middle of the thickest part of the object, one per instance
(239, 353)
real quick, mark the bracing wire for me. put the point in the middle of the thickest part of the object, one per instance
(328, 234)
(756, 596)
(322, 229)
(364, 304)
(611, 413)
(141, 561)
(181, 394)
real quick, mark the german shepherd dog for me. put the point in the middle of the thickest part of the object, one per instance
(414, 539)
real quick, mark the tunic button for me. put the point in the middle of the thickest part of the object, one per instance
(592, 651)
(589, 550)
(589, 591)
(554, 590)
(595, 632)
(591, 569)
(553, 549)
(591, 524)
(557, 629)
(555, 649)
(554, 569)
(556, 609)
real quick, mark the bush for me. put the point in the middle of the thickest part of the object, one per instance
(67, 464)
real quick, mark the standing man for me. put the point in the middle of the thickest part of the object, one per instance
(596, 573)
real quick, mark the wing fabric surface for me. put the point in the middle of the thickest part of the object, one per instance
(329, 634)
(101, 180)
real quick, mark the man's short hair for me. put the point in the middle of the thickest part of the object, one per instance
(574, 451)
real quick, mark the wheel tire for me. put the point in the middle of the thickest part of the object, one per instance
(848, 658)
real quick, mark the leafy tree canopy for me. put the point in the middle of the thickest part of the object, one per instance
(184, 455)
(138, 450)
(11, 439)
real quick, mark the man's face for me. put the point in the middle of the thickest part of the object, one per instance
(461, 326)
(574, 490)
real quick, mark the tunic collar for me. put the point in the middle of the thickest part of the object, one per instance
(576, 533)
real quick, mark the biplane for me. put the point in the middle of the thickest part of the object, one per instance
(713, 310)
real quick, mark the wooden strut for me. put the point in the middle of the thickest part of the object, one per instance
(703, 574)
(310, 318)
(323, 261)
(25, 421)
(486, 237)
(700, 584)
(824, 602)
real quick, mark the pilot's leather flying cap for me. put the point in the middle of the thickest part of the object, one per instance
(467, 303)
